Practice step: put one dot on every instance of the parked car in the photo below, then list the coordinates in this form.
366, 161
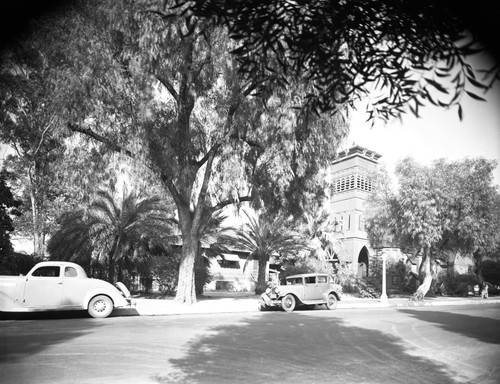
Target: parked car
305, 290
61, 285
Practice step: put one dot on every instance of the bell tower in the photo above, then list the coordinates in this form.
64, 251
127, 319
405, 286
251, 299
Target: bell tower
351, 185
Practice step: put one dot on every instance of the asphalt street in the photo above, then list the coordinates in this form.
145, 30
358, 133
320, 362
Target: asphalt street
447, 344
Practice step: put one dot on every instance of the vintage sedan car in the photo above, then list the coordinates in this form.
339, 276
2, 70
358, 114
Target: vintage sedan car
61, 285
305, 290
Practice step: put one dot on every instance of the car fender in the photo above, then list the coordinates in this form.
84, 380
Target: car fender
123, 289
112, 293
296, 291
325, 295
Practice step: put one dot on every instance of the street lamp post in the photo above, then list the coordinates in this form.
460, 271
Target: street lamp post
383, 296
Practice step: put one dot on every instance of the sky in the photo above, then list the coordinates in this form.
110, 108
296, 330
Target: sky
438, 133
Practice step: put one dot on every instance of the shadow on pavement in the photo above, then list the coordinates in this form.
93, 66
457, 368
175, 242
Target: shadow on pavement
46, 315
51, 315
16, 345
485, 329
295, 348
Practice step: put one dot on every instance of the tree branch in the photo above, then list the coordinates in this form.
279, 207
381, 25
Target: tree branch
200, 206
119, 149
227, 202
110, 144
167, 84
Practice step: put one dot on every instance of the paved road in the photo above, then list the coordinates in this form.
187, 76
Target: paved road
382, 345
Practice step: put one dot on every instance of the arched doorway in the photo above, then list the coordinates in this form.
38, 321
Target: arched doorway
363, 263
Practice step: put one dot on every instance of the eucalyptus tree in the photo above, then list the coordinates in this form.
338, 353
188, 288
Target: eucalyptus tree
398, 55
445, 206
112, 230
30, 105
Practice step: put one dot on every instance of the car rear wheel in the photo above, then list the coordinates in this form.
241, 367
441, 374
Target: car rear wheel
332, 301
288, 303
100, 306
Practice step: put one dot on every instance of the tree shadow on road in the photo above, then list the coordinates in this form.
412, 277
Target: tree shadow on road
484, 329
16, 344
296, 348
74, 314
45, 315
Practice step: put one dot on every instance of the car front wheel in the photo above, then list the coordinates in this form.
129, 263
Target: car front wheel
332, 301
100, 307
288, 303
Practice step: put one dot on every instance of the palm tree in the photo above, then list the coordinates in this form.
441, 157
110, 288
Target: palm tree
111, 229
324, 238
263, 238
315, 224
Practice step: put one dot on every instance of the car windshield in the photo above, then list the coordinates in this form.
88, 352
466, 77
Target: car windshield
322, 279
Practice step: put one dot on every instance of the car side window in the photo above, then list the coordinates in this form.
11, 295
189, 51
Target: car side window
47, 271
311, 280
70, 272
322, 279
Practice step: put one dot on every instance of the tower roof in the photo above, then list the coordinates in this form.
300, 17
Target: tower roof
357, 150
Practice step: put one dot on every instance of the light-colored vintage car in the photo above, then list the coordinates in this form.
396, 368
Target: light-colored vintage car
305, 290
60, 285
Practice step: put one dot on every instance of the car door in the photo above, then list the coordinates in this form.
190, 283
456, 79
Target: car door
74, 288
43, 289
312, 291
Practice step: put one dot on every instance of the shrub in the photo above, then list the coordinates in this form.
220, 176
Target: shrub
202, 275
306, 265
346, 278
491, 271
164, 270
459, 285
394, 267
16, 263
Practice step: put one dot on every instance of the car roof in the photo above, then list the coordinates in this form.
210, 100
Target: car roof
58, 262
62, 264
307, 275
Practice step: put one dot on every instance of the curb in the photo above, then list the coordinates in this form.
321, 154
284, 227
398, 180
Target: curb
149, 307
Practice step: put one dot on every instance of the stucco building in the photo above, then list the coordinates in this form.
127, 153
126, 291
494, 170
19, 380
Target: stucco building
351, 184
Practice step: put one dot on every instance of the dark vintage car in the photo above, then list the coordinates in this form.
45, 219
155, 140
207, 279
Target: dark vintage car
305, 290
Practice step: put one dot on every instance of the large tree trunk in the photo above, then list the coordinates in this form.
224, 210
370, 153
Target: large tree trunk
261, 285
186, 292
425, 276
478, 268
111, 269
35, 221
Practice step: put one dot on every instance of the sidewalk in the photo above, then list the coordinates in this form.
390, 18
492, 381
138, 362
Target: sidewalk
227, 302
